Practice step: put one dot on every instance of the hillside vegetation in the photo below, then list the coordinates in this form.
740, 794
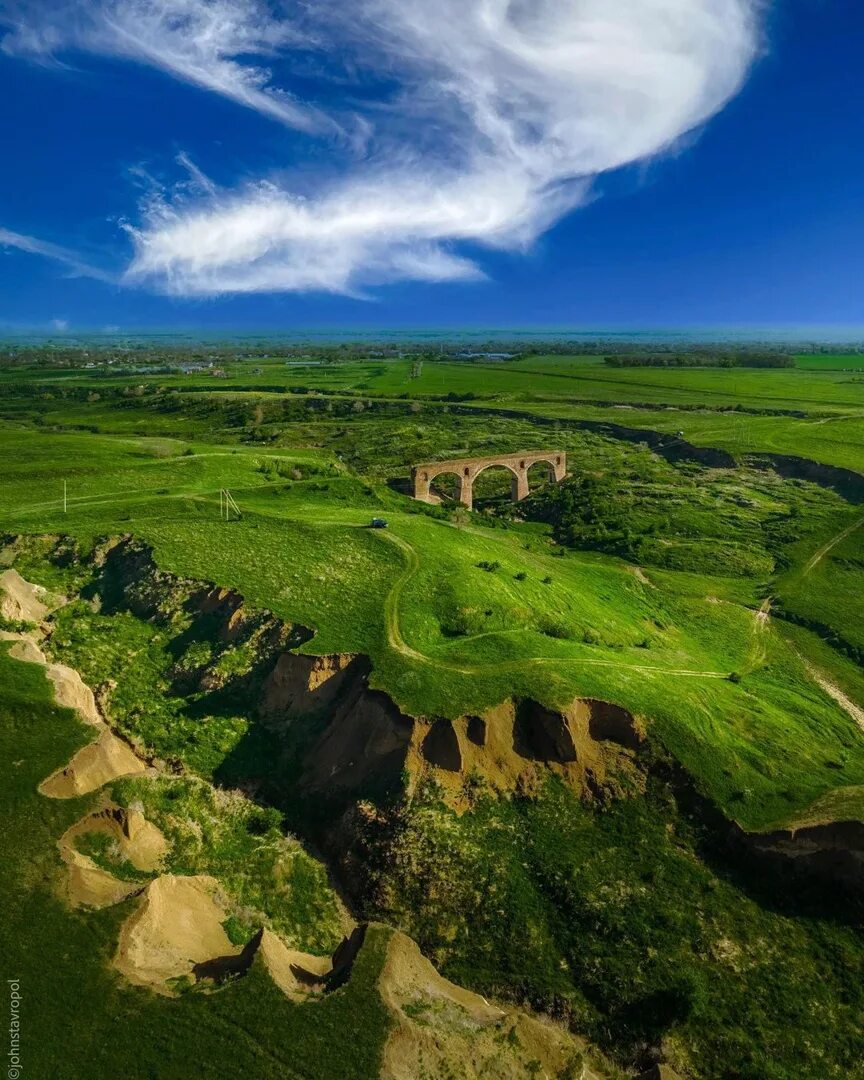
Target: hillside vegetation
389, 719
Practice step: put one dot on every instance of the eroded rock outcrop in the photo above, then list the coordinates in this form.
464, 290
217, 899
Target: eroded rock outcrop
21, 601
301, 685
102, 760
135, 840
98, 763
297, 974
177, 925
367, 739
508, 747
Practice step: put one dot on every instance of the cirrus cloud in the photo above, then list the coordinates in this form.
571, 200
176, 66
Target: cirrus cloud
504, 114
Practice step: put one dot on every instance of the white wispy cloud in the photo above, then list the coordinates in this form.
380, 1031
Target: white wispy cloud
198, 41
505, 114
70, 259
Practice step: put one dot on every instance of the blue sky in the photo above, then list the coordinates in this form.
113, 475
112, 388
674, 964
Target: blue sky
225, 163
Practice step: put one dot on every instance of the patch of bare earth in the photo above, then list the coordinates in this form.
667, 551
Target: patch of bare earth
21, 601
106, 759
133, 839
440, 1029
98, 763
297, 974
641, 576
177, 925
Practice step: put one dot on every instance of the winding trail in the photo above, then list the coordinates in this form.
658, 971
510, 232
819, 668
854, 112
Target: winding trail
758, 653
831, 544
397, 642
833, 691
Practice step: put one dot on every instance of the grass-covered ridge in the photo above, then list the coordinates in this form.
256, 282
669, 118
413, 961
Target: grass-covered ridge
445, 634
632, 921
710, 594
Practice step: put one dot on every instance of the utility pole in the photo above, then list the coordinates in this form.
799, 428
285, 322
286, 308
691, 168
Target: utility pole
227, 505
64, 496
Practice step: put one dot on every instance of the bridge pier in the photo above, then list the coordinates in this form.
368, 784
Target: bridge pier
519, 489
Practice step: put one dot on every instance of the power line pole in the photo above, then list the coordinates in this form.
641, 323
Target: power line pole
64, 496
227, 505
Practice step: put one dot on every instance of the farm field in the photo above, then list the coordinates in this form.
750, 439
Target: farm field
687, 582
816, 385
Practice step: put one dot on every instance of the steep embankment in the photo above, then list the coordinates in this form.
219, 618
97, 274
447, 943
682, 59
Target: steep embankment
102, 760
360, 742
598, 748
176, 934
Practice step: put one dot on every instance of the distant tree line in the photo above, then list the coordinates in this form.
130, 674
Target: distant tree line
702, 360
126, 354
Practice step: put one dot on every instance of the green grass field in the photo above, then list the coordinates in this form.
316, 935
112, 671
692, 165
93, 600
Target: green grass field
546, 625
719, 602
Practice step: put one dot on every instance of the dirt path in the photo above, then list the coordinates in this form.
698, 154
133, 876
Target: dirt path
832, 543
758, 651
397, 642
834, 691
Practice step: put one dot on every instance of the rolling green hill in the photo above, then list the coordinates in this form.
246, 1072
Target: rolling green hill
699, 572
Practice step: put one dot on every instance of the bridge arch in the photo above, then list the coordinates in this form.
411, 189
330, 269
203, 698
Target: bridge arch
431, 475
545, 465
518, 477
468, 469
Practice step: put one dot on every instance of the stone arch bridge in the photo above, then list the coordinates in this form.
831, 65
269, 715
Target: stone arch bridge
467, 470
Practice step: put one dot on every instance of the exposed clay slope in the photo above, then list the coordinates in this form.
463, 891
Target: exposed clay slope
20, 601
137, 841
177, 925
833, 851
70, 690
301, 685
106, 759
368, 739
440, 1029
297, 974
88, 885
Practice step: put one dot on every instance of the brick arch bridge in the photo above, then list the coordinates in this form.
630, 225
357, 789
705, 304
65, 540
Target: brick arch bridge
468, 469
